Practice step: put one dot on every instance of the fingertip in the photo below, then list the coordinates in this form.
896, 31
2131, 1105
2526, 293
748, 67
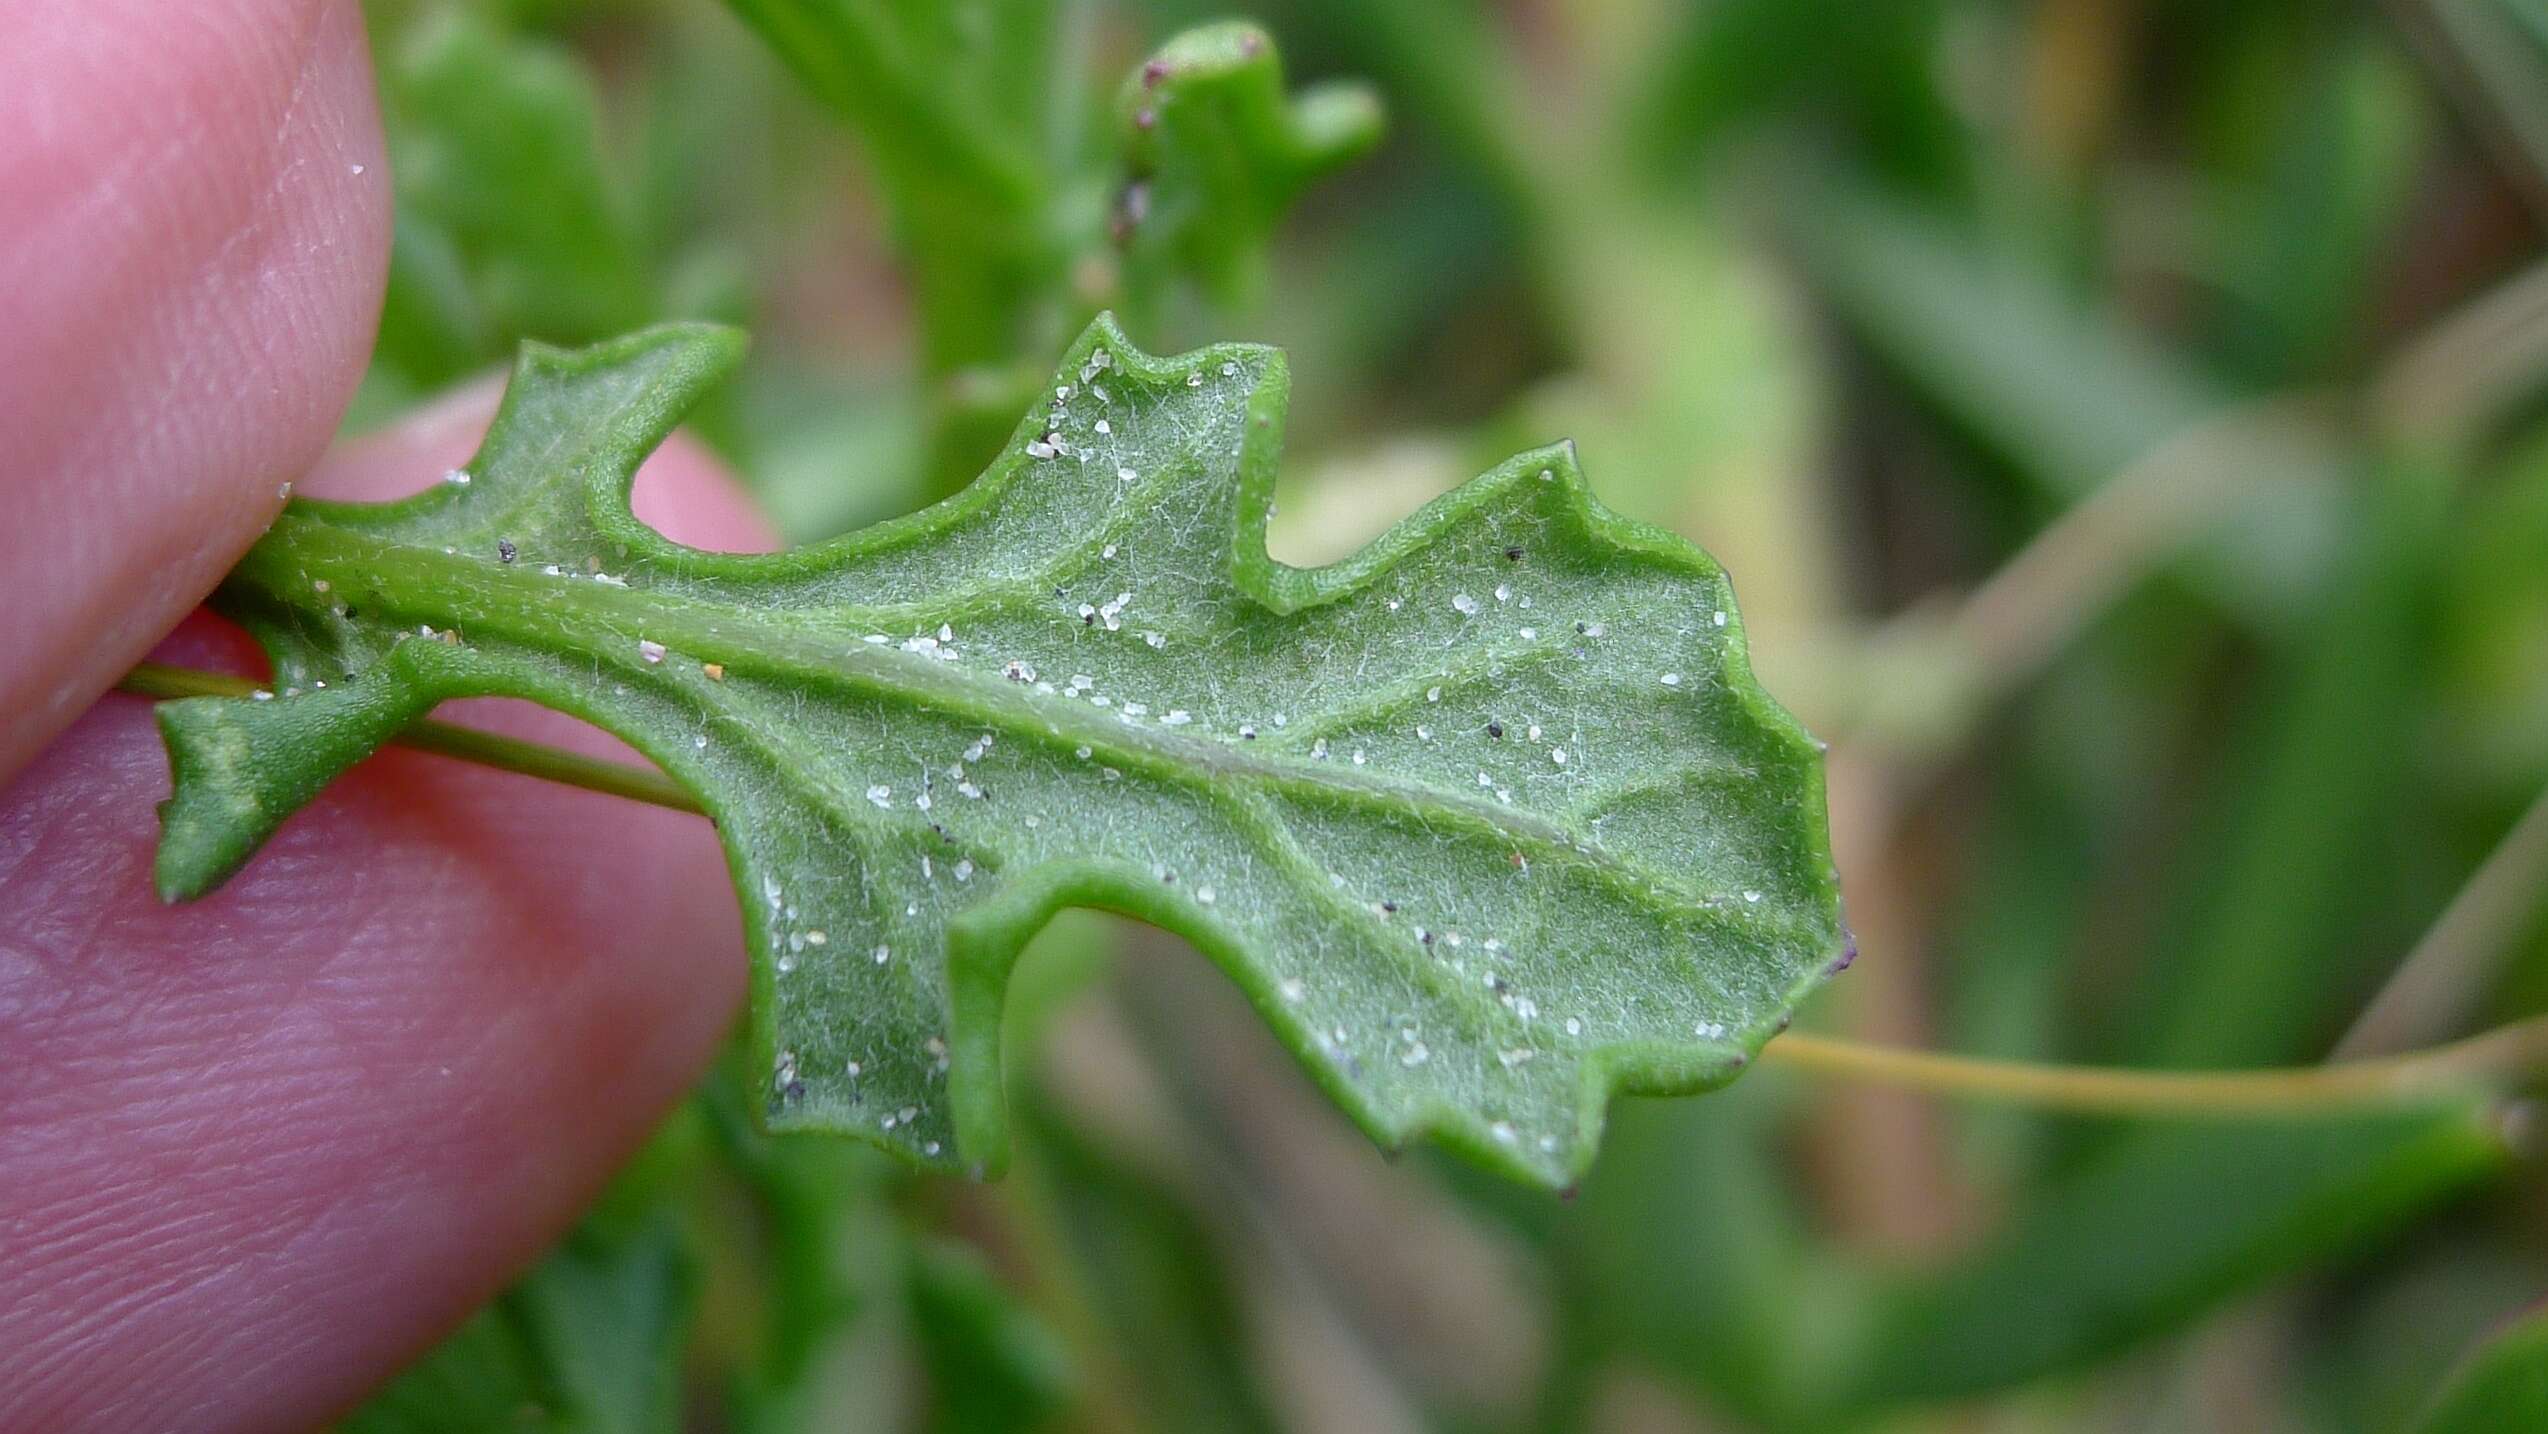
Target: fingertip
194, 234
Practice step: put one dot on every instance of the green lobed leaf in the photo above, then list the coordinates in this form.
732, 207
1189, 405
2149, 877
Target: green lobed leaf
1490, 822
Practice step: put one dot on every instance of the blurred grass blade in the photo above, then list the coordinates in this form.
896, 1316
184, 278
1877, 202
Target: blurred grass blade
2268, 948
808, 1255
2349, 129
2502, 1388
992, 1364
2498, 51
432, 329
2064, 395
1693, 1256
938, 114
1158, 1280
999, 205
2154, 1232
1744, 63
949, 101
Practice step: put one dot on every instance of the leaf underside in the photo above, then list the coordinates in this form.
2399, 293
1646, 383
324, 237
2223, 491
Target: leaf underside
1490, 822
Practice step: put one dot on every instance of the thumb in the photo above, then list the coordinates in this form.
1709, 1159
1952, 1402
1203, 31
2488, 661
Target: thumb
262, 1148
193, 238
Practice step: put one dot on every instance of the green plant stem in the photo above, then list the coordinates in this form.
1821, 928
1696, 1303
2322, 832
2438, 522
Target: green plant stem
2478, 1066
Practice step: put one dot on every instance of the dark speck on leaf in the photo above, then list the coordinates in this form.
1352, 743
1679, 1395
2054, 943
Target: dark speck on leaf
504, 550
1512, 555
1153, 72
1495, 730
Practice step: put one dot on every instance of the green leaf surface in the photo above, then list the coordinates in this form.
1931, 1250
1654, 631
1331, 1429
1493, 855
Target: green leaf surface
2502, 1387
1490, 821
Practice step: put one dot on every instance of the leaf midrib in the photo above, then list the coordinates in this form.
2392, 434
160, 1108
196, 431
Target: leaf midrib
524, 606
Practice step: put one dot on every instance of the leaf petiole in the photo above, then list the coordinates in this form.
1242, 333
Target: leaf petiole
2476, 1067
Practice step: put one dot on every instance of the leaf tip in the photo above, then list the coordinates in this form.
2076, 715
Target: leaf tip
211, 819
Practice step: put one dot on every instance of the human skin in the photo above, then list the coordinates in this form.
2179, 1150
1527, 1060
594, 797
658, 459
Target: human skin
259, 1150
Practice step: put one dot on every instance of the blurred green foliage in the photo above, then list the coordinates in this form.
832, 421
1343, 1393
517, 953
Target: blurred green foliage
2504, 1385
2235, 311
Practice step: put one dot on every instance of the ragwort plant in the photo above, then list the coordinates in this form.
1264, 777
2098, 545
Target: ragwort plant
1489, 821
